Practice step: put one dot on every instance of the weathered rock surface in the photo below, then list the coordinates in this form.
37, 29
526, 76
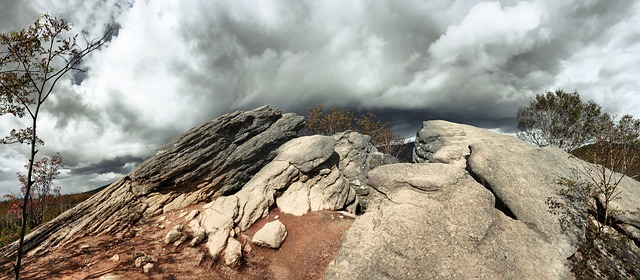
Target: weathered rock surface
215, 159
173, 235
474, 207
628, 208
323, 188
271, 235
521, 176
440, 228
358, 156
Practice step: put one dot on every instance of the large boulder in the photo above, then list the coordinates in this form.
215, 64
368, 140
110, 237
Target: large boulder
472, 207
438, 222
215, 159
522, 177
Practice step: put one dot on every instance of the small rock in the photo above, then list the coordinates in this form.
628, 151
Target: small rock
361, 190
115, 258
247, 248
147, 267
347, 214
199, 233
85, 248
141, 258
109, 277
173, 235
162, 218
198, 237
233, 252
182, 239
271, 235
276, 217
304, 178
192, 215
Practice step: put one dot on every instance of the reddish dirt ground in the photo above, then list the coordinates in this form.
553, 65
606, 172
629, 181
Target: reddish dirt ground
312, 242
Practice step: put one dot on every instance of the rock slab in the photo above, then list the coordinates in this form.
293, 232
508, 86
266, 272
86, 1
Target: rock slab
214, 159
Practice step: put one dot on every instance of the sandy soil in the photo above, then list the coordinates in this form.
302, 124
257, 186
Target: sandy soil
312, 242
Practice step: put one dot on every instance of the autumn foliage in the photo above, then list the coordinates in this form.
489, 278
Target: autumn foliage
338, 120
44, 193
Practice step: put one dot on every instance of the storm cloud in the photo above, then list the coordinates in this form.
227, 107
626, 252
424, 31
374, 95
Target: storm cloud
176, 64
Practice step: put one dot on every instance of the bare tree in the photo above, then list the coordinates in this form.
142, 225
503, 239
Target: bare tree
32, 62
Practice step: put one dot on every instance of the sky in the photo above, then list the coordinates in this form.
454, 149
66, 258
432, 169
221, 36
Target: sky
173, 65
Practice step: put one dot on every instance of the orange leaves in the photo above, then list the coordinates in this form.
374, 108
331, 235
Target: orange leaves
338, 120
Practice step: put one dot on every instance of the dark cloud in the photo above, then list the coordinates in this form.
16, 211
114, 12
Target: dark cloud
119, 165
14, 14
175, 65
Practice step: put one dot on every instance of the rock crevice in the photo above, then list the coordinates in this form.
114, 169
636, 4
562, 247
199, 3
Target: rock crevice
499, 204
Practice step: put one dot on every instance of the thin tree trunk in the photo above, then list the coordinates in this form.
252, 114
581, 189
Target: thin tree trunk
23, 224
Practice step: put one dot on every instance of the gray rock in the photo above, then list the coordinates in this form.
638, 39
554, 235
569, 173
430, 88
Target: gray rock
259, 193
449, 223
627, 204
306, 153
199, 233
192, 214
474, 207
271, 235
206, 162
521, 176
378, 159
173, 235
354, 150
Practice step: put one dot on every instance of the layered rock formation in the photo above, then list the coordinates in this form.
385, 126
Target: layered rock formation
243, 164
204, 163
474, 205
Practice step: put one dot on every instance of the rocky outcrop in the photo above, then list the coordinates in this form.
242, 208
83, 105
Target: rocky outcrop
358, 156
443, 227
473, 207
215, 159
304, 176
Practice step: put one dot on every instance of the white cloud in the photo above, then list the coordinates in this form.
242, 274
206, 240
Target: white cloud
106, 178
175, 64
